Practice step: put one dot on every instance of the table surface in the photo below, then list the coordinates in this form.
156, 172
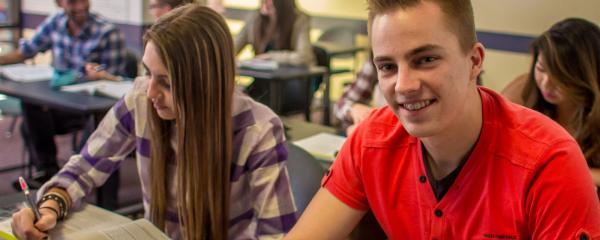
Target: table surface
300, 129
334, 49
40, 93
283, 72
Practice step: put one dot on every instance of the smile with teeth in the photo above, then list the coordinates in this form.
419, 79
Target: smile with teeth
417, 105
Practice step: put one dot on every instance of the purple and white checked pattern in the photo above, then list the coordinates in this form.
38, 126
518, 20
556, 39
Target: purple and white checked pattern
262, 206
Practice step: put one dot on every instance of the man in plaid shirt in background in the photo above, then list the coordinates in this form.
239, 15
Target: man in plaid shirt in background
75, 36
355, 103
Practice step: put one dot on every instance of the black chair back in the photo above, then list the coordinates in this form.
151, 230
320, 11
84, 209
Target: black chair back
305, 175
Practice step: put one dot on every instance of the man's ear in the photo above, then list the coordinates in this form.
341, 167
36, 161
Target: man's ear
58, 3
477, 55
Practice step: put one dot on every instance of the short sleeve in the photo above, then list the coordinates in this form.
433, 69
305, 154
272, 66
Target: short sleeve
562, 203
344, 179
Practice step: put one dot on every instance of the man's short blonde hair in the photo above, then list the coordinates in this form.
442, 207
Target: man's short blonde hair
459, 16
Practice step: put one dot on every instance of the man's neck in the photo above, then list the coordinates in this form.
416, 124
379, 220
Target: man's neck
74, 27
447, 150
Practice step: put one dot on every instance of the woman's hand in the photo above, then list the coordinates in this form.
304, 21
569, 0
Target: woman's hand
23, 225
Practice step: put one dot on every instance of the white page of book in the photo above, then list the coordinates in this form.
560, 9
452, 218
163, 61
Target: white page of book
102, 87
140, 229
323, 145
27, 73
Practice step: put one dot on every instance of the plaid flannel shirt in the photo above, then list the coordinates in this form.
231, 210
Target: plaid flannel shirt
98, 41
262, 206
360, 91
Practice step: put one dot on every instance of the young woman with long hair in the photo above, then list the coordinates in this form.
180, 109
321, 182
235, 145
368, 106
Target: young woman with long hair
564, 83
278, 31
211, 160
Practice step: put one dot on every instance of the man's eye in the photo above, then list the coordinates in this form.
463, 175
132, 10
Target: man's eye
386, 67
426, 60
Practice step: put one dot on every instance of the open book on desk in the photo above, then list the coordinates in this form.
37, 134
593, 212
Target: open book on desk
27, 73
259, 64
323, 146
92, 222
105, 88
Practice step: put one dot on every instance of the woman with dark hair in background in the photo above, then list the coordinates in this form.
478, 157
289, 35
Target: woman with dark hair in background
280, 32
564, 83
212, 162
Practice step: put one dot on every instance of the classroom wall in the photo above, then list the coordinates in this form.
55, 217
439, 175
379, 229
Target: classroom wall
495, 20
119, 11
507, 19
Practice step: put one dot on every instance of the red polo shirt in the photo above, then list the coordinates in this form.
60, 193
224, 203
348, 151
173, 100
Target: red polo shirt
525, 179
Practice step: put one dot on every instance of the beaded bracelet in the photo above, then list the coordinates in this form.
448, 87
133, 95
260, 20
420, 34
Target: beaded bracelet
62, 205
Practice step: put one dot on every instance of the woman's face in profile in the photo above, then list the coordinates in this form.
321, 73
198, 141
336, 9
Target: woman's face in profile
159, 85
546, 84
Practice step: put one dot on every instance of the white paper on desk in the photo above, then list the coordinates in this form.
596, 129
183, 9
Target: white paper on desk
140, 229
106, 88
5, 226
92, 222
259, 64
27, 73
323, 145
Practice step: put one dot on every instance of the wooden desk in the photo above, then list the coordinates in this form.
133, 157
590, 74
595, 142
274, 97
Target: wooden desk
334, 49
297, 129
283, 73
40, 93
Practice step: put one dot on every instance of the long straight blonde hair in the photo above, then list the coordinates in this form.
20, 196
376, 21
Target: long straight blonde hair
196, 47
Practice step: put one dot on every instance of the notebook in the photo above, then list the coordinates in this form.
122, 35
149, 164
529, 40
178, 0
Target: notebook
92, 222
324, 146
259, 64
105, 88
27, 73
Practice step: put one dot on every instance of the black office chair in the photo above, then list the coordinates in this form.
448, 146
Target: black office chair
305, 174
131, 64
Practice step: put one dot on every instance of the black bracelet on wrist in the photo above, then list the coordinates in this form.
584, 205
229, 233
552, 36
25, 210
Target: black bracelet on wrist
51, 209
62, 205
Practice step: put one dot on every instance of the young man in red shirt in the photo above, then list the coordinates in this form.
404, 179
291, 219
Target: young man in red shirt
447, 159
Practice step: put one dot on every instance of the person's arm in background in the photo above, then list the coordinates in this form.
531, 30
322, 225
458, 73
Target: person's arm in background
93, 72
354, 105
242, 38
595, 176
112, 58
302, 54
40, 42
12, 58
514, 90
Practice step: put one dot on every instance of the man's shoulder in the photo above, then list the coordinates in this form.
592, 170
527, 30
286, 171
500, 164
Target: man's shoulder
524, 135
102, 24
383, 129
